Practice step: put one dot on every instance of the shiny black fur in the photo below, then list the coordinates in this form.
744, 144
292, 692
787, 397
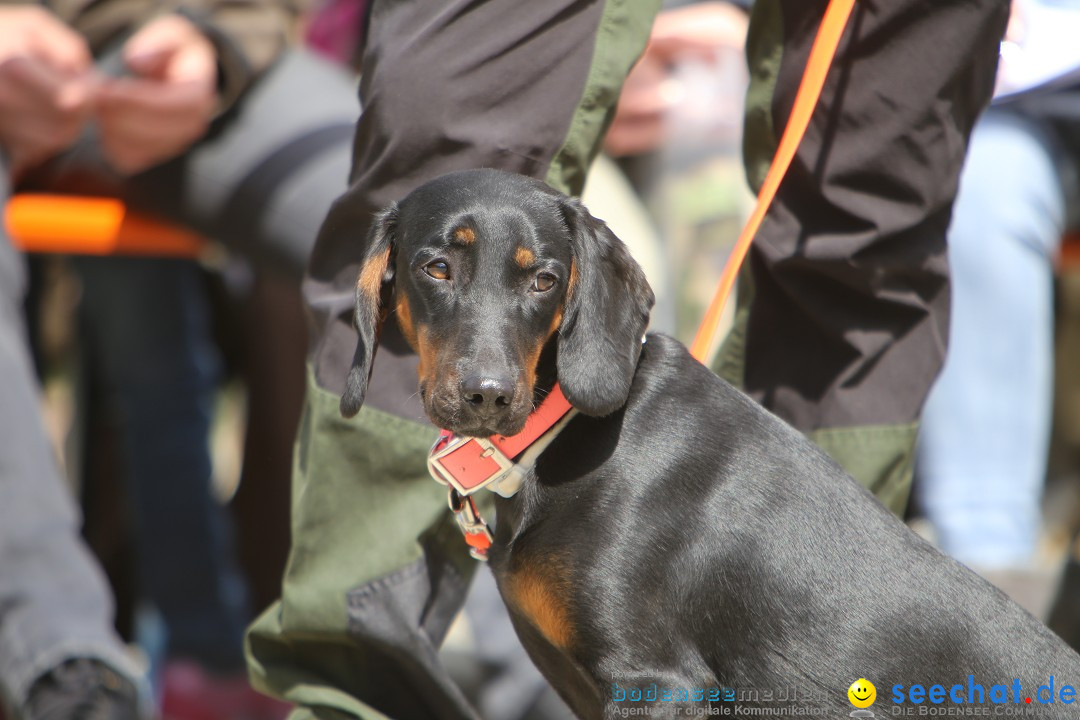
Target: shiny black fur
690, 540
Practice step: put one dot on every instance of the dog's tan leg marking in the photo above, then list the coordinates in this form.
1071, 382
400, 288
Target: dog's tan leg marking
540, 594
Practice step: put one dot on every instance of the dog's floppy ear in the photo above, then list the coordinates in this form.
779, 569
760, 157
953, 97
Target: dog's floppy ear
607, 309
372, 286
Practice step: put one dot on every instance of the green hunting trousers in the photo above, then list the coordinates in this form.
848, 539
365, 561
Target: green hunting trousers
378, 568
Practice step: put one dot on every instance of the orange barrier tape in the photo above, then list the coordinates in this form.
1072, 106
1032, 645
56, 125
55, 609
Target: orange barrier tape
817, 67
92, 226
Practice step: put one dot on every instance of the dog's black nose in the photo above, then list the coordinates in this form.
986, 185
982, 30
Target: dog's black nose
487, 394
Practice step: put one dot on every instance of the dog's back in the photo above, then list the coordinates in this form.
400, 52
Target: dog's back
693, 541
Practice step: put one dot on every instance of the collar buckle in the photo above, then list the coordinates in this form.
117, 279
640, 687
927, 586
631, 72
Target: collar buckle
467, 464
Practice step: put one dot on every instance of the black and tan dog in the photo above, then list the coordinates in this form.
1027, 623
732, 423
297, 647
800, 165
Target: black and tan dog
676, 546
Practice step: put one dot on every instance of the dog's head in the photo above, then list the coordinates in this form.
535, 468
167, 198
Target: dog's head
486, 270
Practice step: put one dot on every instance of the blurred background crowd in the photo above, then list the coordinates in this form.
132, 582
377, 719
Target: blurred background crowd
173, 387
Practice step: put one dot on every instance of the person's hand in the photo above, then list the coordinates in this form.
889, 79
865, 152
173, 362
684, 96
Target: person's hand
168, 104
703, 30
33, 32
46, 85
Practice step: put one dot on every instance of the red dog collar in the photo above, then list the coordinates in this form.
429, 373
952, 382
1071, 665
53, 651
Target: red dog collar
499, 463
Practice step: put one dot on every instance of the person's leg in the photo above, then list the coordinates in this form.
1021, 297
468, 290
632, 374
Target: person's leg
147, 325
844, 305
378, 567
261, 182
986, 426
54, 604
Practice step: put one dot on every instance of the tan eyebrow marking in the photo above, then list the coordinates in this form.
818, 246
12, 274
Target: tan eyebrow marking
524, 257
464, 236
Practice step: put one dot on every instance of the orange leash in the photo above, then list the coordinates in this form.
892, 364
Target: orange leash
817, 67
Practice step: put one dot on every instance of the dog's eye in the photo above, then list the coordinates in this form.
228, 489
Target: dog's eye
543, 282
438, 270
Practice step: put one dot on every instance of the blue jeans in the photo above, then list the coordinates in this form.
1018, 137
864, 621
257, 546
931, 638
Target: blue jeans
54, 604
146, 326
986, 425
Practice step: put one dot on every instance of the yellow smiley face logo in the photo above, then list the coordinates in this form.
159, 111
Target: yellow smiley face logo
862, 693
